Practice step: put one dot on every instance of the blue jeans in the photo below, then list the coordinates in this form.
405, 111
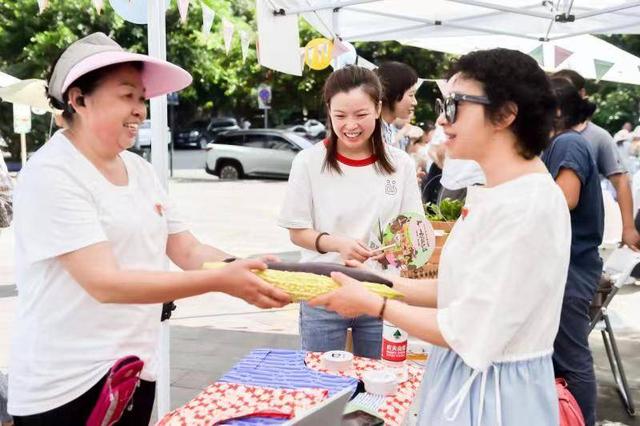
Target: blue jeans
321, 331
572, 358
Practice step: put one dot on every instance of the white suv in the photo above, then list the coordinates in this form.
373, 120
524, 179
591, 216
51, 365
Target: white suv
260, 152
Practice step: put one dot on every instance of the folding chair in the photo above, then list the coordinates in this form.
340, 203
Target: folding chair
619, 267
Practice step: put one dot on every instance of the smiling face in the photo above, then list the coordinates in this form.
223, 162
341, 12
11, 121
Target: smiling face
406, 106
470, 135
114, 110
353, 119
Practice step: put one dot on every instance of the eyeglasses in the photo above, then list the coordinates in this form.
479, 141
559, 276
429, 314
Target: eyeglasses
449, 106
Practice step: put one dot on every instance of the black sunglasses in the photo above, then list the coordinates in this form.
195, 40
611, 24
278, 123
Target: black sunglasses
449, 106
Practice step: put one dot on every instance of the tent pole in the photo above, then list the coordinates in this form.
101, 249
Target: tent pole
321, 6
336, 22
23, 148
518, 11
156, 34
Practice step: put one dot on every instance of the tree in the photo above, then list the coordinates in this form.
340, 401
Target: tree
222, 84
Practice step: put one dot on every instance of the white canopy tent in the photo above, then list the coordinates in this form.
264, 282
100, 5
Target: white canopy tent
6, 79
379, 20
459, 26
592, 57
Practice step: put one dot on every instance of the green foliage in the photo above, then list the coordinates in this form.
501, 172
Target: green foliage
447, 211
222, 84
428, 64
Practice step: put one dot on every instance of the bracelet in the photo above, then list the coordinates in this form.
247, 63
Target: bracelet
318, 240
230, 259
384, 306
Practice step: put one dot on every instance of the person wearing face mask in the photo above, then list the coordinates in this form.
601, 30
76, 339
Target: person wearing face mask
493, 312
340, 193
94, 229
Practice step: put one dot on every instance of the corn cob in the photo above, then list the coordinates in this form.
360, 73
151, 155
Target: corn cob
302, 286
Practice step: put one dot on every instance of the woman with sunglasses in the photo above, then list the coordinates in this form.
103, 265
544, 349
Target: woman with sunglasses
571, 164
492, 314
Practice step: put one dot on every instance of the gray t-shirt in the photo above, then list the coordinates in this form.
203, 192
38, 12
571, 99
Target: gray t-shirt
603, 150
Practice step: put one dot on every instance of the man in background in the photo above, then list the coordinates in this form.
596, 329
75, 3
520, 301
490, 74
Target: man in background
609, 163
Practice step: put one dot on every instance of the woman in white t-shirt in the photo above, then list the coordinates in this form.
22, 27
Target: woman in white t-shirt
341, 193
94, 230
493, 313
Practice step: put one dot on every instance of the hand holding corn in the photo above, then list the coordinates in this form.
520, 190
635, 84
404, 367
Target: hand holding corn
241, 281
303, 286
350, 300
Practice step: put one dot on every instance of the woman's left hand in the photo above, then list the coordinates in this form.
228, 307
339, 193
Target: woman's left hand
352, 299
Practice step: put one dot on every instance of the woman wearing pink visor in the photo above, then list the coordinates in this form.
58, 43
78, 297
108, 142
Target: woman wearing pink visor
93, 229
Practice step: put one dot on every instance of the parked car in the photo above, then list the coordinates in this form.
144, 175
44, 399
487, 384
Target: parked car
297, 129
143, 138
201, 132
315, 129
258, 152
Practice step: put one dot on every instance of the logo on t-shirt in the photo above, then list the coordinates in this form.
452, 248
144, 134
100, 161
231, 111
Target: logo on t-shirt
390, 188
159, 209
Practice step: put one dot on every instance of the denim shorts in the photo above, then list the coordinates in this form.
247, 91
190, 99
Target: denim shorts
321, 331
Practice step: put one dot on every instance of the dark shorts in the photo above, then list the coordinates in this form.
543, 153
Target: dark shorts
77, 411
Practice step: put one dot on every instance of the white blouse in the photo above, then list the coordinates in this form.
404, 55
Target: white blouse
503, 270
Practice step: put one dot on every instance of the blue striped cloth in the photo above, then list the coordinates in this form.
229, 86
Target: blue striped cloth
279, 368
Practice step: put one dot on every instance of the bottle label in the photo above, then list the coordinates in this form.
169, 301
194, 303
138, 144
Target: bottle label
394, 343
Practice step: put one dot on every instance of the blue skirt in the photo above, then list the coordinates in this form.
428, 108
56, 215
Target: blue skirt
518, 393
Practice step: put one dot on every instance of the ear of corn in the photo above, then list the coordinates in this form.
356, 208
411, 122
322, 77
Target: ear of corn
302, 286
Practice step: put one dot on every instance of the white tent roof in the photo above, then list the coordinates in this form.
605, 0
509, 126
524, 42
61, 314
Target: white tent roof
592, 57
6, 79
460, 26
379, 20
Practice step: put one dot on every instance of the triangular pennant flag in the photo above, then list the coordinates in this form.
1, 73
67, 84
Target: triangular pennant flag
99, 5
42, 5
244, 44
183, 8
207, 19
561, 55
339, 47
227, 34
538, 55
602, 67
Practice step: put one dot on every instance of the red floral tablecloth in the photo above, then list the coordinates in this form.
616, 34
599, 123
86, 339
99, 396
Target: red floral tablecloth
393, 409
226, 401
222, 401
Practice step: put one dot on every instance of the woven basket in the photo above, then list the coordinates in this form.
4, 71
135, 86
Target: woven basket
430, 269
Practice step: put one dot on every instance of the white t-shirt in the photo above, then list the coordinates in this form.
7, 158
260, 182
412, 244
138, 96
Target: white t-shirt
503, 271
354, 204
459, 174
64, 340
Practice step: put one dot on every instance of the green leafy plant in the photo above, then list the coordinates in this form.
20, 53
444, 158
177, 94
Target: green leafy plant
447, 211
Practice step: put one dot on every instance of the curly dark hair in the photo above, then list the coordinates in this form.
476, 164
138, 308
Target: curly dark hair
509, 76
